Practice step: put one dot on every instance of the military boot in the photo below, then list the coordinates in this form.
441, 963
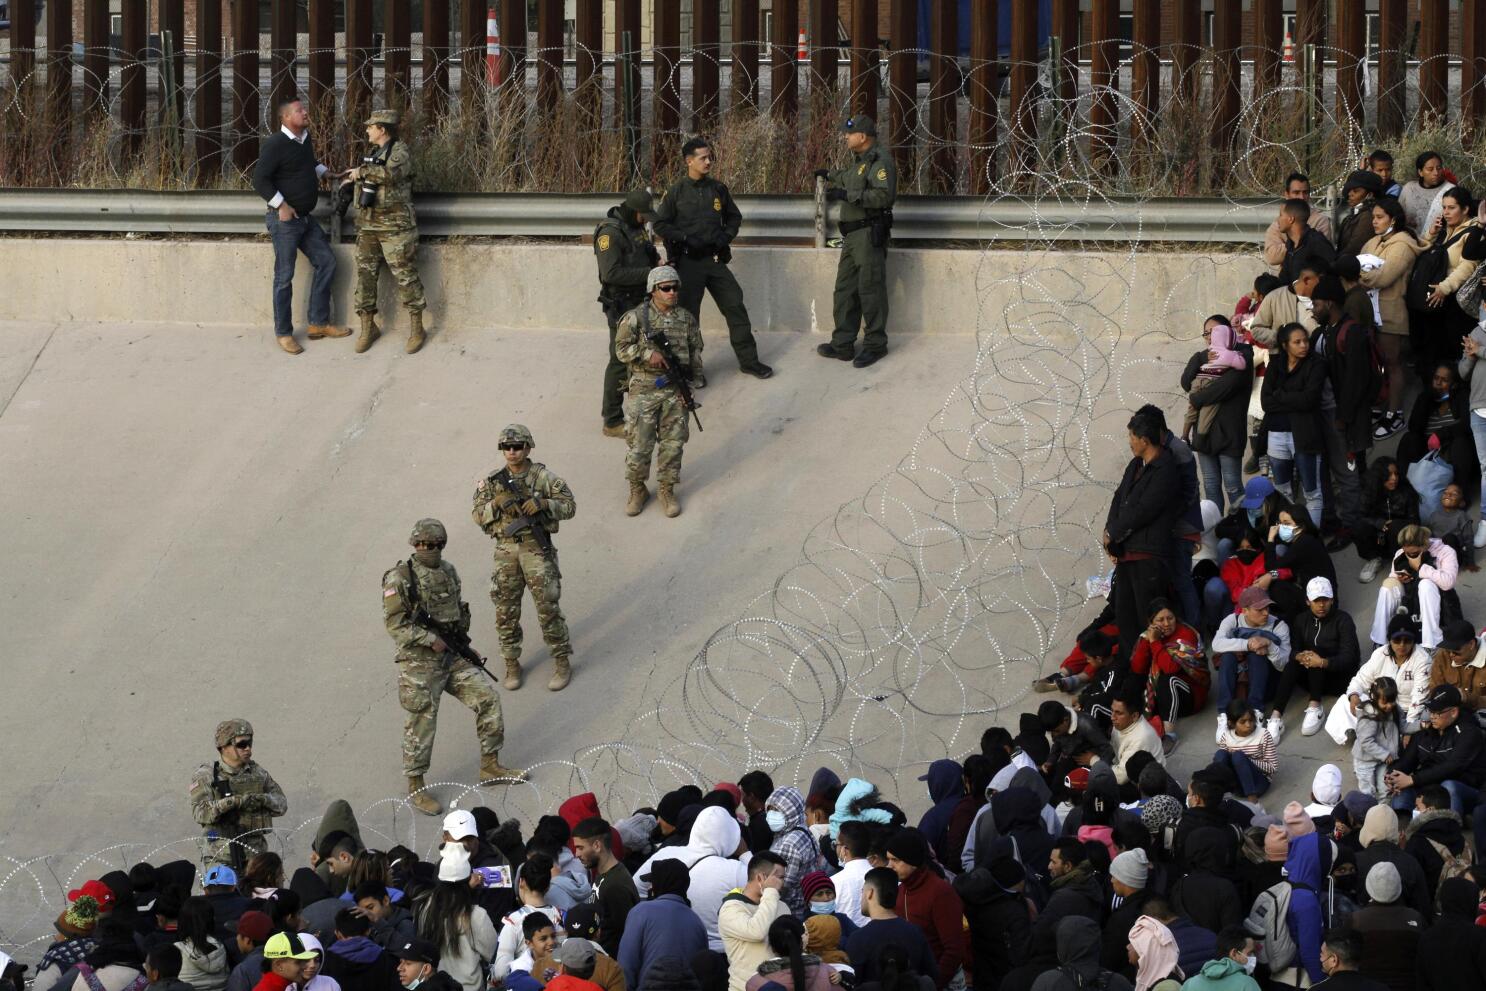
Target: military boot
493, 772
369, 332
668, 503
319, 330
562, 675
416, 337
513, 675
420, 799
638, 496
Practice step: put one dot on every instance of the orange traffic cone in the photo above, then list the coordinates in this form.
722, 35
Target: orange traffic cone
1289, 49
802, 52
492, 49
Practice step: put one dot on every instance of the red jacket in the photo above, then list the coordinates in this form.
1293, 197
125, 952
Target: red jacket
1163, 654
1077, 662
586, 806
1239, 576
272, 982
929, 902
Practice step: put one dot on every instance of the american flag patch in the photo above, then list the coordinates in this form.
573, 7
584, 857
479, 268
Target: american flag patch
388, 593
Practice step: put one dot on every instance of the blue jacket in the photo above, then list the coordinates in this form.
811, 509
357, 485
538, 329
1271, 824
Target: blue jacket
946, 788
1307, 868
661, 927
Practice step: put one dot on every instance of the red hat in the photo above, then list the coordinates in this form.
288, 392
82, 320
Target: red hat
255, 925
1077, 779
98, 891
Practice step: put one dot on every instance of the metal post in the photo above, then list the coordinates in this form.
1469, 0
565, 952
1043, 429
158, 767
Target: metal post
245, 84
864, 58
627, 71
208, 90
134, 18
435, 57
745, 50
784, 97
902, 84
706, 47
983, 86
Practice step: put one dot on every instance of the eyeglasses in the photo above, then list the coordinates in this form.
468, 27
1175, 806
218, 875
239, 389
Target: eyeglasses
668, 287
513, 447
243, 744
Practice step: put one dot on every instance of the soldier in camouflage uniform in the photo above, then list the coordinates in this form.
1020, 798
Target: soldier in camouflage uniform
388, 230
426, 668
625, 256
655, 415
866, 189
524, 557
235, 799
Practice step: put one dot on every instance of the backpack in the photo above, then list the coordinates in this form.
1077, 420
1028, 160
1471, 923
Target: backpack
1430, 269
1377, 369
1266, 923
1451, 865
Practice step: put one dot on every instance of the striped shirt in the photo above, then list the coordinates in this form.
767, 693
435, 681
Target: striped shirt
1258, 746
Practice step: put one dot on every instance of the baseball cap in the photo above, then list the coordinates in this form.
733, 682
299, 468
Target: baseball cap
582, 921
1077, 779
1256, 491
219, 874
418, 950
460, 824
1443, 697
1457, 634
253, 924
1319, 587
1253, 597
860, 124
96, 890
287, 946
574, 953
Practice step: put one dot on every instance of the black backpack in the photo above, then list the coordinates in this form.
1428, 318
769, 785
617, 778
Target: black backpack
1430, 269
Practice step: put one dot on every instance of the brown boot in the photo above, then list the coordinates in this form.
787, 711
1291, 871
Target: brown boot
638, 496
616, 430
319, 330
289, 344
420, 799
513, 675
562, 675
493, 772
369, 332
416, 337
667, 497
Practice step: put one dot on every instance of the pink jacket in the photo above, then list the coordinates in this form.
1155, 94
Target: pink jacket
1445, 568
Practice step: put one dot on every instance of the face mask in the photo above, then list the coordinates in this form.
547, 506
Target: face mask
1190, 803
414, 986
775, 819
820, 829
1250, 962
1247, 555
1287, 532
428, 556
1253, 515
822, 908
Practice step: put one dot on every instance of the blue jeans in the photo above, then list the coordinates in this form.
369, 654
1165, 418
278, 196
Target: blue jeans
1222, 478
1180, 563
1462, 798
1251, 780
1284, 461
1217, 603
289, 238
1260, 671
1478, 434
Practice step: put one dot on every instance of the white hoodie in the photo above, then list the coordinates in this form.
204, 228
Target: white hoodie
715, 836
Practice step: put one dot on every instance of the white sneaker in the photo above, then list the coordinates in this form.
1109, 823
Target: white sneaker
1314, 717
1222, 726
1480, 540
1370, 570
1276, 728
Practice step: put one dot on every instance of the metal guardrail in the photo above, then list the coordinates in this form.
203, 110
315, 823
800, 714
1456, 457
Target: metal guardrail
773, 218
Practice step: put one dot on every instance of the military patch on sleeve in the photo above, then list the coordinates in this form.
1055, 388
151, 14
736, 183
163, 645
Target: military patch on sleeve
717, 203
388, 593
603, 242
882, 175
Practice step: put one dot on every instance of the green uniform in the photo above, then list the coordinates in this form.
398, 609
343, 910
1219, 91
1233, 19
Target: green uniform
699, 220
871, 184
655, 416
423, 673
625, 257
237, 808
388, 231
519, 561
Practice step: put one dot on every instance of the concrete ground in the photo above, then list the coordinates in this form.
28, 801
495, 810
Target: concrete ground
871, 567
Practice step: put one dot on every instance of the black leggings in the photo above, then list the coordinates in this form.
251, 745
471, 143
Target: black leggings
1318, 682
1174, 699
1372, 544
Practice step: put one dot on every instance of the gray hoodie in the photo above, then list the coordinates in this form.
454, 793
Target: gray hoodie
1467, 366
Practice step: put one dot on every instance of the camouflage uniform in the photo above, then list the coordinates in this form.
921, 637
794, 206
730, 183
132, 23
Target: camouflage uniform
388, 231
655, 415
237, 806
519, 561
424, 674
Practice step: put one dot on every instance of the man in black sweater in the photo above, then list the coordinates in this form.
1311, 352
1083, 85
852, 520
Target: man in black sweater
288, 178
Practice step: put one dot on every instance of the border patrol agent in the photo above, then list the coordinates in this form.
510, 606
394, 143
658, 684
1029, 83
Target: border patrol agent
625, 257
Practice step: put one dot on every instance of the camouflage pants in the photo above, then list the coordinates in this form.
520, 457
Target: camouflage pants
218, 847
655, 418
399, 249
421, 684
519, 565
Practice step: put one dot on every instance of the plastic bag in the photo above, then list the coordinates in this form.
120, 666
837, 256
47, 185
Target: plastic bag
1429, 476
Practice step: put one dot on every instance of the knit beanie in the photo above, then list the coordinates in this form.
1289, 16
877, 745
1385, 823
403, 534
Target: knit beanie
910, 847
80, 918
1297, 821
1384, 886
1357, 805
1131, 868
813, 882
1276, 844
1380, 823
1007, 872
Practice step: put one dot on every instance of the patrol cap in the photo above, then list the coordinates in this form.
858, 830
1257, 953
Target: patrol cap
287, 946
659, 274
229, 729
418, 950
860, 124
574, 952
429, 529
220, 874
641, 202
387, 118
515, 433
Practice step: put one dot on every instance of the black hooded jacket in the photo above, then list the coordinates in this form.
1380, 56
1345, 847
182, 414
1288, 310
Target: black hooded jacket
1078, 961
1206, 894
1017, 813
1000, 927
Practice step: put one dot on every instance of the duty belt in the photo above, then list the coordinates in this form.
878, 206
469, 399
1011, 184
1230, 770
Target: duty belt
852, 226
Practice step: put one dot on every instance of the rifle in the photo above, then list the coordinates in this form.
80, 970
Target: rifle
222, 788
454, 638
679, 372
523, 522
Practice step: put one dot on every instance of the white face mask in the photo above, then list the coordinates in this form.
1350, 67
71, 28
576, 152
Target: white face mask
775, 819
820, 829
1250, 963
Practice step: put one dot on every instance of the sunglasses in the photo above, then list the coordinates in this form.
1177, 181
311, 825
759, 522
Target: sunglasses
513, 447
243, 744
436, 545
668, 287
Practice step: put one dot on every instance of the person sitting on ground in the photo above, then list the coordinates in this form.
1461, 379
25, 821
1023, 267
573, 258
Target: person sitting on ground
162, 966
791, 968
1428, 568
1132, 734
1379, 731
1076, 740
1441, 421
1296, 555
1095, 651
1246, 748
1254, 640
1169, 659
1436, 835
1460, 660
1323, 652
1446, 751
1389, 930
1401, 659
1452, 523
1389, 503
